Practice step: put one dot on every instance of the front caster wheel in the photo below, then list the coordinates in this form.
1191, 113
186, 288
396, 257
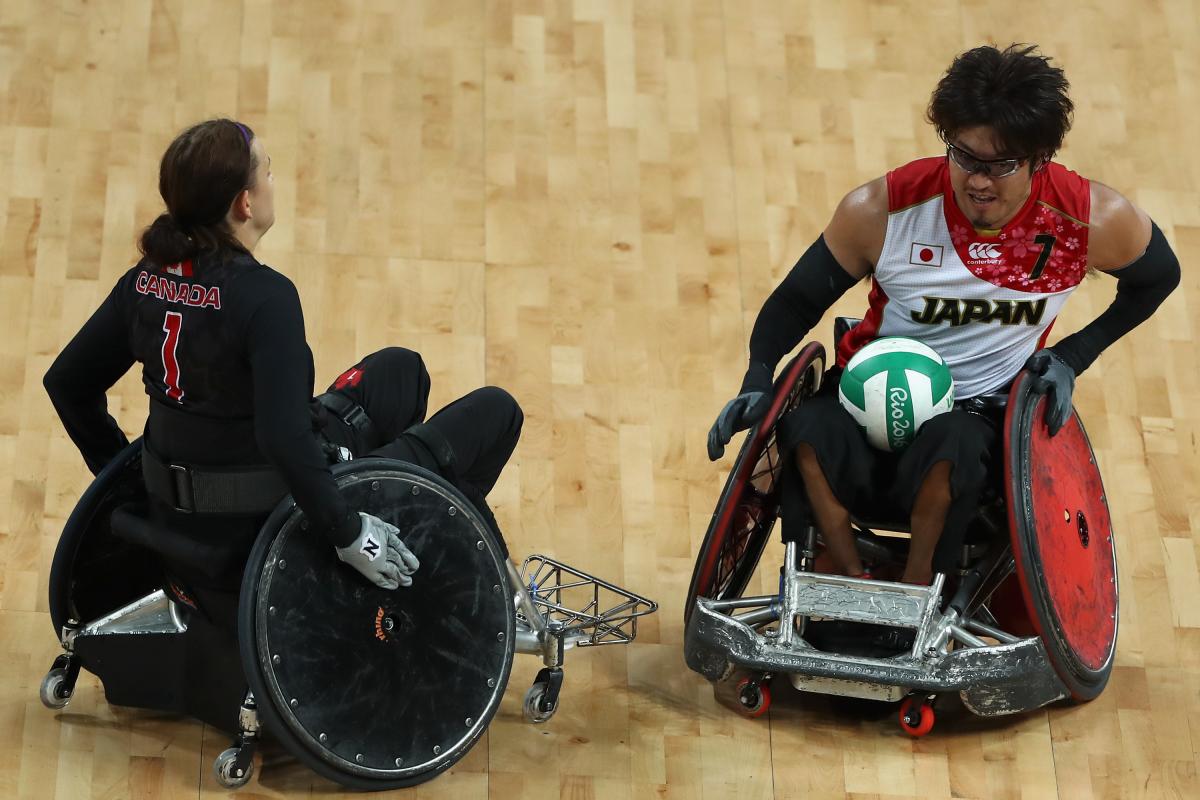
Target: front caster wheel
916, 716
535, 702
754, 698
55, 692
233, 768
541, 701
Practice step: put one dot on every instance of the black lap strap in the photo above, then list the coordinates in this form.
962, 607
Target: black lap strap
208, 490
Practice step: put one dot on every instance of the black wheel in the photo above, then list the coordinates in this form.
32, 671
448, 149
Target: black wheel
749, 504
93, 572
378, 689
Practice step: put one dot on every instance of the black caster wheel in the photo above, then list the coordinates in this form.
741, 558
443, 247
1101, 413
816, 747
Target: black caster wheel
59, 683
234, 767
534, 700
541, 701
55, 691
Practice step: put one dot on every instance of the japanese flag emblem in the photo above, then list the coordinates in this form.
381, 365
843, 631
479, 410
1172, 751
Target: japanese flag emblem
925, 255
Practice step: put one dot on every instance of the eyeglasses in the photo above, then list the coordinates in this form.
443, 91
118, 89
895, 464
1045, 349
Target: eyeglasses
995, 168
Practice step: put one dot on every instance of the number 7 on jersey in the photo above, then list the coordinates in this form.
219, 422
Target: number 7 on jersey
171, 326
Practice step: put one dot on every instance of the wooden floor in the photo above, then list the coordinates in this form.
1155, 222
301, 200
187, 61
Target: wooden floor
586, 202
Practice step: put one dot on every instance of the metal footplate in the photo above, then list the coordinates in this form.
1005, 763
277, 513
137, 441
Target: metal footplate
559, 608
1011, 676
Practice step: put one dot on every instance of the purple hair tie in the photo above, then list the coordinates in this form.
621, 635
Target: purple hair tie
245, 133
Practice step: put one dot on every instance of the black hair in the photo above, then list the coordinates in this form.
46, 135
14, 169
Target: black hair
1014, 91
202, 172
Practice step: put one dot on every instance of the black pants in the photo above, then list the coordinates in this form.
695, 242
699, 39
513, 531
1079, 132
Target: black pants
392, 386
480, 429
874, 484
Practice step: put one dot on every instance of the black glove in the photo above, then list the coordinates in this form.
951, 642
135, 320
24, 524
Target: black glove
743, 411
1053, 376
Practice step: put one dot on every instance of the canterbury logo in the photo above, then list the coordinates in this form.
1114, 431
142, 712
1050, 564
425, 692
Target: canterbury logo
370, 548
983, 250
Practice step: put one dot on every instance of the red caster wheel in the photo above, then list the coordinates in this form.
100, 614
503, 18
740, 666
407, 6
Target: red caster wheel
753, 698
916, 717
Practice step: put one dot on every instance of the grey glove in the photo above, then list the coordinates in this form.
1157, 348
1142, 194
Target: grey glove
1052, 376
379, 554
743, 411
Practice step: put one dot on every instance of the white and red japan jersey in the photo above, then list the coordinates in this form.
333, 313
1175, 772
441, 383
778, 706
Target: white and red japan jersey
984, 300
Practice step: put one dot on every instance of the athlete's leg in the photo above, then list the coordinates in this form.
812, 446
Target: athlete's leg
468, 442
482, 428
940, 478
928, 519
832, 518
828, 454
392, 386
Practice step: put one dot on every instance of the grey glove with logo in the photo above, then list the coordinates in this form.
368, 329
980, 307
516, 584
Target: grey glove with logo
379, 554
1054, 377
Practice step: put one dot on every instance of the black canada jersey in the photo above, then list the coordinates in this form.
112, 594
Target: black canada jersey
188, 325
227, 368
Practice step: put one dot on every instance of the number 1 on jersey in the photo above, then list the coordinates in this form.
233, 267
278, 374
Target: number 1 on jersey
172, 325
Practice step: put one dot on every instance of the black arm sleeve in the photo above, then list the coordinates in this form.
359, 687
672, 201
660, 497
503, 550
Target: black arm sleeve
1141, 288
809, 290
77, 381
279, 363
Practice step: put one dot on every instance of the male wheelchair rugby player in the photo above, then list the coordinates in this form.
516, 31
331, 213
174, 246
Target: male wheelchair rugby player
1028, 617
972, 254
371, 688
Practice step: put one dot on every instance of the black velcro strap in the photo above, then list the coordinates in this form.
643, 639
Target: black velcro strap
209, 490
350, 413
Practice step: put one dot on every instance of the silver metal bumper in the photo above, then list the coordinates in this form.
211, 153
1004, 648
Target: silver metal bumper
1012, 676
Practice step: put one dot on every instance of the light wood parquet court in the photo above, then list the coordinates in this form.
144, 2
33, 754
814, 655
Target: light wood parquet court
586, 202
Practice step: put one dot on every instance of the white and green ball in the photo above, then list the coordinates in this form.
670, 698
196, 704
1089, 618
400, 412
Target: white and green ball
893, 386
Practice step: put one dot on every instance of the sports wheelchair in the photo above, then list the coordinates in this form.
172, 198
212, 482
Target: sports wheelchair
316, 645
1030, 616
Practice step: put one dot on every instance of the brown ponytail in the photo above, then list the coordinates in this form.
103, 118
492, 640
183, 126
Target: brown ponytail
201, 174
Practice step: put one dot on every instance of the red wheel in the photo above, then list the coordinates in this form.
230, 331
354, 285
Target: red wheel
737, 533
1062, 541
916, 717
753, 698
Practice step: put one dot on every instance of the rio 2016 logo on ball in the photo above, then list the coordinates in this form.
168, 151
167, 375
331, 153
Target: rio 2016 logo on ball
894, 385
